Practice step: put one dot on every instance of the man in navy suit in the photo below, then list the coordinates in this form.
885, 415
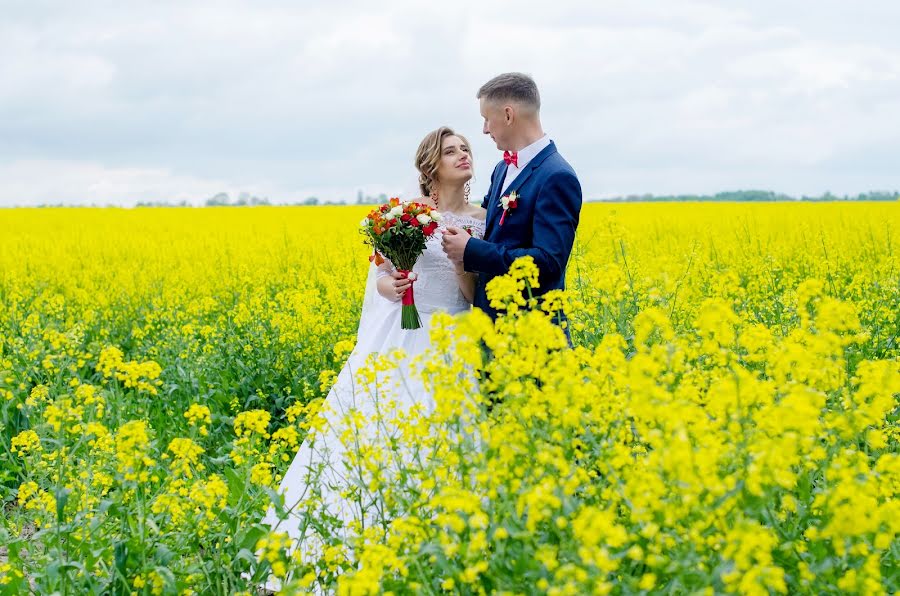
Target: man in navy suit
542, 219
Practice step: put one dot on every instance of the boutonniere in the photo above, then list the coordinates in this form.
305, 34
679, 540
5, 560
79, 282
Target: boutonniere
468, 229
509, 202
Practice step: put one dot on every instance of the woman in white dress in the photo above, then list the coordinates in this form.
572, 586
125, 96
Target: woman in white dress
325, 496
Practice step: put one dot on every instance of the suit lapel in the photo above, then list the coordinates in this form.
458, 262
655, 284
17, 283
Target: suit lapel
498, 183
494, 196
493, 188
497, 190
531, 167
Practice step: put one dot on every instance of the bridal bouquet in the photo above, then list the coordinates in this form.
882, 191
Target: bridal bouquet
398, 231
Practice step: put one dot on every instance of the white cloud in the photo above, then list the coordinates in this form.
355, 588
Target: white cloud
34, 182
127, 101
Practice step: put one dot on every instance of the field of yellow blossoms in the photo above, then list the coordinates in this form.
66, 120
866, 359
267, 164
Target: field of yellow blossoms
727, 421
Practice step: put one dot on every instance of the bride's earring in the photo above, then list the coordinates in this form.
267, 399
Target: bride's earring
468, 190
434, 197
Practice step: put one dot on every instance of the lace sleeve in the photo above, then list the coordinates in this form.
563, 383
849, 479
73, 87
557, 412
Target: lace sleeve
473, 225
477, 230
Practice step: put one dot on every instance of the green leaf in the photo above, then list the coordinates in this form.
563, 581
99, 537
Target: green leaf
62, 497
163, 554
167, 575
120, 556
245, 554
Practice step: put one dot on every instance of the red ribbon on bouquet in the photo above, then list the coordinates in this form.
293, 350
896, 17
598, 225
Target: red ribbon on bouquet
409, 316
408, 298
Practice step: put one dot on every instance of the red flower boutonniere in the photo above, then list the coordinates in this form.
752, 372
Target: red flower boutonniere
508, 203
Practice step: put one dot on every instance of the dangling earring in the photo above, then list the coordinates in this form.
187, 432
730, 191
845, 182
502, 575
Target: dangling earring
468, 190
434, 197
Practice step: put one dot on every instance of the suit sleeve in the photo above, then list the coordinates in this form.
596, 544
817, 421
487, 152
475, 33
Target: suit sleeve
556, 215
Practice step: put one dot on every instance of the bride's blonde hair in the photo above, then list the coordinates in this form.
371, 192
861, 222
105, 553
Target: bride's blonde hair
428, 156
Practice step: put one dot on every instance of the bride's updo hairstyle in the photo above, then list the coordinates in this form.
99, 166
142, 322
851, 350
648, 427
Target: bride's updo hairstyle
428, 156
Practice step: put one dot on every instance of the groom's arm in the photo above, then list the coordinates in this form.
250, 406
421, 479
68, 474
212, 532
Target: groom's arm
555, 220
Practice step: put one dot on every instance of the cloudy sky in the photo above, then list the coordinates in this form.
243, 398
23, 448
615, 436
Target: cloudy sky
119, 102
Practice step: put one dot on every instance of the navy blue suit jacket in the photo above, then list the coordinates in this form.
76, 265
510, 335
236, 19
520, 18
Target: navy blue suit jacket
542, 225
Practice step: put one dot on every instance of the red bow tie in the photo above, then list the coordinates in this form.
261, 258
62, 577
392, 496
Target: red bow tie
511, 158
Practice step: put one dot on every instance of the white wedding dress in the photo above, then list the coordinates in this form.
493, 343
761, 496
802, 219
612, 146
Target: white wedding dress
316, 483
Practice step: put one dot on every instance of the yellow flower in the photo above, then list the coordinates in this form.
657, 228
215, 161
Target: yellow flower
261, 474
199, 416
252, 422
273, 550
133, 451
26, 442
648, 581
143, 376
185, 457
39, 394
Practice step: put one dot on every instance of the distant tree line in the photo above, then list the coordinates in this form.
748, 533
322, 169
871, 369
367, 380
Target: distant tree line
223, 199
756, 196
742, 196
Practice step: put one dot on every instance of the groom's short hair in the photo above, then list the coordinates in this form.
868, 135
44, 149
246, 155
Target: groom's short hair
511, 86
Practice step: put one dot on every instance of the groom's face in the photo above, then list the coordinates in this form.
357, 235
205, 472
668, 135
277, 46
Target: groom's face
497, 121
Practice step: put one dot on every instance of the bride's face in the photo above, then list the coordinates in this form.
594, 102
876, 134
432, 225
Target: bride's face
456, 160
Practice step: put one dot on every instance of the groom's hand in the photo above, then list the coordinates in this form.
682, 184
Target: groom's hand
454, 243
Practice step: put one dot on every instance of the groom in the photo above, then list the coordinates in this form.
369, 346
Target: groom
542, 219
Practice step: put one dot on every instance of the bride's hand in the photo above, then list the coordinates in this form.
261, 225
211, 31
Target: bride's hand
400, 284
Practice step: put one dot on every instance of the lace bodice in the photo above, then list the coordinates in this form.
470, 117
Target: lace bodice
436, 287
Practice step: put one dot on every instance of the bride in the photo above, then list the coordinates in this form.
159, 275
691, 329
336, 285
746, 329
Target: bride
324, 502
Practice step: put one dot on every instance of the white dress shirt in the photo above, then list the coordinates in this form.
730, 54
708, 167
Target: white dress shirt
524, 156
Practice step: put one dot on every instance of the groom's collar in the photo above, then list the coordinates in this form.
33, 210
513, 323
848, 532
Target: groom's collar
525, 174
531, 151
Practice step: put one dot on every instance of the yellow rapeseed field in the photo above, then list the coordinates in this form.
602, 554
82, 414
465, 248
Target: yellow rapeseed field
727, 421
